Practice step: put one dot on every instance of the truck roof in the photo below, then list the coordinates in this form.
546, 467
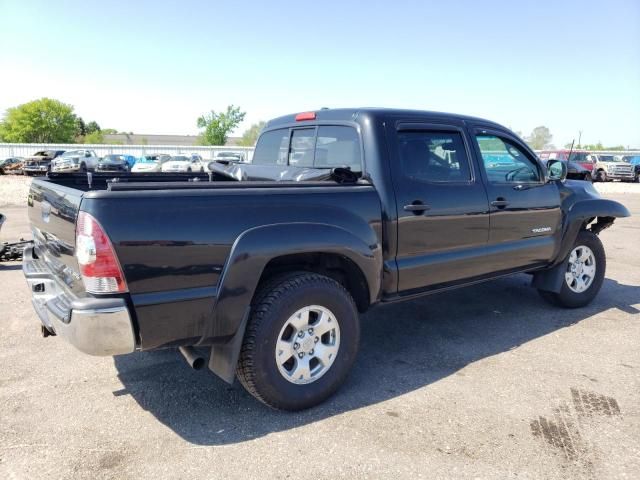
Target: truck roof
352, 114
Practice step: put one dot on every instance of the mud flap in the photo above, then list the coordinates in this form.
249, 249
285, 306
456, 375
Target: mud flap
224, 358
550, 280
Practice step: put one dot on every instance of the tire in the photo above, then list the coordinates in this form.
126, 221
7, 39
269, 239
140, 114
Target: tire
587, 177
189, 169
83, 168
601, 176
568, 297
277, 384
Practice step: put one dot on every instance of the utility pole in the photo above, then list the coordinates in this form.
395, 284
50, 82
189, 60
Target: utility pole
579, 138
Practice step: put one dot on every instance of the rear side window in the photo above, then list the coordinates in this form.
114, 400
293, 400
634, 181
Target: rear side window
272, 148
434, 156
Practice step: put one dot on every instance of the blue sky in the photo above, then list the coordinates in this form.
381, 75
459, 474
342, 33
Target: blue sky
155, 66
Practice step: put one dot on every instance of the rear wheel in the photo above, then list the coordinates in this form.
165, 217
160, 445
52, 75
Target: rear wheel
301, 341
601, 176
583, 278
587, 177
83, 168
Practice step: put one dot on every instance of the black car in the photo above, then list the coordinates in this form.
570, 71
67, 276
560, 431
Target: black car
259, 270
113, 163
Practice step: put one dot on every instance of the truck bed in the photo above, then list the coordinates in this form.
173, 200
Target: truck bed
173, 237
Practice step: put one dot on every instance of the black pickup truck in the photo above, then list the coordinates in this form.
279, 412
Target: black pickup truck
260, 269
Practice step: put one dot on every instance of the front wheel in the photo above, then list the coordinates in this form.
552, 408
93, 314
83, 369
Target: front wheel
583, 278
601, 176
301, 341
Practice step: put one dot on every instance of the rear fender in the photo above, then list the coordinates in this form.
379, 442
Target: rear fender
251, 252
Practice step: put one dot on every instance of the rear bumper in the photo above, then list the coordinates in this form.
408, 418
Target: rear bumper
96, 326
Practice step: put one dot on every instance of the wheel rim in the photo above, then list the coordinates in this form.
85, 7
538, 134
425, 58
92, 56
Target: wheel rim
581, 269
307, 345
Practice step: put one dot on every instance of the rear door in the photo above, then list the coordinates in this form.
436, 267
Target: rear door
442, 208
525, 209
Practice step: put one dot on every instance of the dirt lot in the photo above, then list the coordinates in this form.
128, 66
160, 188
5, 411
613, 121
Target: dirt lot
484, 382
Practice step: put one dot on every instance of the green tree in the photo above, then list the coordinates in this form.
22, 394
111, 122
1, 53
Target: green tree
250, 136
81, 127
92, 126
217, 126
109, 131
39, 121
540, 138
94, 137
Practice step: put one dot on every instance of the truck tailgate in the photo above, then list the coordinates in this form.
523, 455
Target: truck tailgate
53, 210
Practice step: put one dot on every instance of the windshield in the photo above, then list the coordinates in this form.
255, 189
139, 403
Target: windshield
180, 158
73, 153
114, 158
227, 154
579, 157
607, 158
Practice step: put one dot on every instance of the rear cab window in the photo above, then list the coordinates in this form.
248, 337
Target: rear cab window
323, 146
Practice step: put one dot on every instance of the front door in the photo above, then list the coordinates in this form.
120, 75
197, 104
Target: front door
442, 207
525, 218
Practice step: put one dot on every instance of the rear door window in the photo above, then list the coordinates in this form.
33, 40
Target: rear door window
434, 156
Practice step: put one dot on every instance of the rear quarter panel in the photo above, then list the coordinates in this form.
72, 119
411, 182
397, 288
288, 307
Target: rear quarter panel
173, 245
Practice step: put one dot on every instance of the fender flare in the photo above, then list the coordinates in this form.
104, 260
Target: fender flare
249, 256
581, 212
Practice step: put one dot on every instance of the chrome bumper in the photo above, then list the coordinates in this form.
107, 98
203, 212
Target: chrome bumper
97, 326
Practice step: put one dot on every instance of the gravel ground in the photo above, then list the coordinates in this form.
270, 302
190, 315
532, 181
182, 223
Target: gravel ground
484, 382
14, 189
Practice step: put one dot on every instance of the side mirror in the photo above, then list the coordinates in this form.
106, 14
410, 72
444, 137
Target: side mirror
556, 170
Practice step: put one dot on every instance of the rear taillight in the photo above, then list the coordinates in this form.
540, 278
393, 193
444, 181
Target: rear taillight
99, 266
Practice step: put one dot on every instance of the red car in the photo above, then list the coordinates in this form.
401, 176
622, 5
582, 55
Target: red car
581, 157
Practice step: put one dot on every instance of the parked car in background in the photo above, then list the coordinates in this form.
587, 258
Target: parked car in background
184, 163
633, 160
584, 158
116, 163
226, 158
75, 161
608, 167
575, 171
11, 165
40, 162
150, 163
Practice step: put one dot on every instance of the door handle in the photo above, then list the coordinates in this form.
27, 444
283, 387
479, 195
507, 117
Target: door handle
499, 202
416, 207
